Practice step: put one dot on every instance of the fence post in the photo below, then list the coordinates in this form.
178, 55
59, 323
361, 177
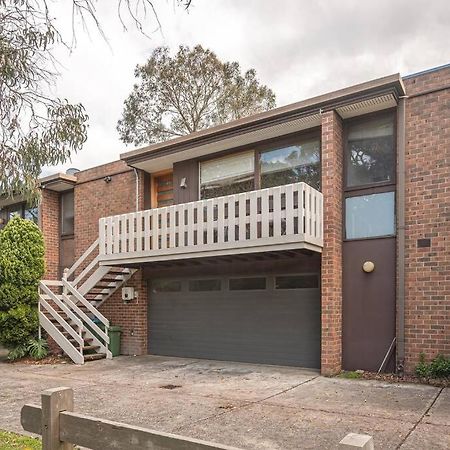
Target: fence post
353, 441
53, 402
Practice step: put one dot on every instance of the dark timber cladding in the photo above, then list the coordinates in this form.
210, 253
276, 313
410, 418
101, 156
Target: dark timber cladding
256, 311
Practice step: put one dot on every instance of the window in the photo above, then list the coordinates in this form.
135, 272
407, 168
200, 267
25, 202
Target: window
205, 285
67, 213
370, 215
227, 175
166, 286
286, 165
370, 154
247, 284
31, 214
15, 210
297, 282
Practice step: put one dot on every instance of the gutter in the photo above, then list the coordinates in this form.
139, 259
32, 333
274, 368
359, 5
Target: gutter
401, 142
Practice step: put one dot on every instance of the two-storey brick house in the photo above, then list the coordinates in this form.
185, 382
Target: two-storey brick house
313, 235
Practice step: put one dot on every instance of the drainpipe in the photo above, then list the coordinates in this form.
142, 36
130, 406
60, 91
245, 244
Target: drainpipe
401, 138
137, 188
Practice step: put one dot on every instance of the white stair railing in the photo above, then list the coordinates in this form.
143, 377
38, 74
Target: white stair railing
74, 328
90, 326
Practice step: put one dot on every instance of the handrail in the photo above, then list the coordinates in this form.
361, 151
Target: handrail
62, 322
85, 271
61, 304
90, 308
82, 258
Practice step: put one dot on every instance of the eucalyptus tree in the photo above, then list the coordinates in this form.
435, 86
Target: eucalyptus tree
192, 90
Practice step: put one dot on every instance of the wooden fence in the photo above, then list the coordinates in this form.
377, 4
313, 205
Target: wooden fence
61, 429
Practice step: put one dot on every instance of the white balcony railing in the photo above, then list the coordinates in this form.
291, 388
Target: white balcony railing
282, 217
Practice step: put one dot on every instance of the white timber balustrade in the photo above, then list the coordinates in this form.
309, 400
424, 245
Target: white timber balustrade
282, 217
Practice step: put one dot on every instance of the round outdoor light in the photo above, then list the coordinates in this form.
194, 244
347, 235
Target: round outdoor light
368, 266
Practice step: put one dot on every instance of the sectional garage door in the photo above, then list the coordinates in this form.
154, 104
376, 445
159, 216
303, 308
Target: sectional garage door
260, 319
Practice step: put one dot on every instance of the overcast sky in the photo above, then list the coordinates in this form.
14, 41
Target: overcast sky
299, 48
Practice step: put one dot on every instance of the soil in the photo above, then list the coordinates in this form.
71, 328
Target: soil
50, 359
394, 378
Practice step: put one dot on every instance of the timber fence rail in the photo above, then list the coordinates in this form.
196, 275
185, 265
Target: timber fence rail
61, 429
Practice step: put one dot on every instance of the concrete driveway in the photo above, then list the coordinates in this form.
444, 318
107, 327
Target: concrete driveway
244, 405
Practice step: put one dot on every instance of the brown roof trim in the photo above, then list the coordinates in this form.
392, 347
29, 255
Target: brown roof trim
391, 84
56, 178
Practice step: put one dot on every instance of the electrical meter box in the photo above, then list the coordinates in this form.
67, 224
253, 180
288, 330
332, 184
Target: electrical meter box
127, 294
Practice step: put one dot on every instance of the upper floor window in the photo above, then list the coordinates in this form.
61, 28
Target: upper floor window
227, 175
31, 214
371, 152
67, 213
292, 164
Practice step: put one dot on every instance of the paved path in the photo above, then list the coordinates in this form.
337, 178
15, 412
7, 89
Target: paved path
244, 405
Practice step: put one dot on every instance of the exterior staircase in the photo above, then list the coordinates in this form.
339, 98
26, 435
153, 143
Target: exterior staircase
68, 308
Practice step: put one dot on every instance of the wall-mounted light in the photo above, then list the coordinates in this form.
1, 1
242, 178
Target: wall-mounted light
368, 267
183, 184
107, 179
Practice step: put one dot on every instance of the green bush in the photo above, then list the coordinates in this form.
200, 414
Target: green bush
439, 367
21, 268
18, 325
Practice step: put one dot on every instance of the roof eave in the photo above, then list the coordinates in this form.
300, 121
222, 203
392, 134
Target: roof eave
390, 84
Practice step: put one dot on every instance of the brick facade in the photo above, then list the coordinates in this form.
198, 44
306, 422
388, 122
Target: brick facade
49, 221
332, 166
427, 215
96, 198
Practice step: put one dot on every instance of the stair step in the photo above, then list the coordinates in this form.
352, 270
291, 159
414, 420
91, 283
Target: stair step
86, 340
106, 284
94, 356
91, 347
113, 277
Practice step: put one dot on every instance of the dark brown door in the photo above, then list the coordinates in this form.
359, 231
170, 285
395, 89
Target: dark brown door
163, 190
369, 303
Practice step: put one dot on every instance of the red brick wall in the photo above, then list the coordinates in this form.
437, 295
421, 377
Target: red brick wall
332, 167
427, 270
95, 198
49, 223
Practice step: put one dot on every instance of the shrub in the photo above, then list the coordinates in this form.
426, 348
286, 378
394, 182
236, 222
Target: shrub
439, 367
21, 268
37, 348
18, 325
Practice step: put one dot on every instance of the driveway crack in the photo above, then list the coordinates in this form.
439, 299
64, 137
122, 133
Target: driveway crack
420, 419
245, 405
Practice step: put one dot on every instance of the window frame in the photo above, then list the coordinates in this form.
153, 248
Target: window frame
361, 119
369, 188
263, 146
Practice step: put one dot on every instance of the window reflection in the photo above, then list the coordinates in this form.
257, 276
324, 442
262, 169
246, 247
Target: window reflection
291, 164
370, 157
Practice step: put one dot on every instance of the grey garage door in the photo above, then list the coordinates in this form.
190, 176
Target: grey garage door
260, 319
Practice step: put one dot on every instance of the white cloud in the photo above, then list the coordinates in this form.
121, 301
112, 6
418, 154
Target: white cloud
298, 47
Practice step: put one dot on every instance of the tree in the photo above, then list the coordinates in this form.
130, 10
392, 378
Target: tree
21, 268
36, 129
187, 92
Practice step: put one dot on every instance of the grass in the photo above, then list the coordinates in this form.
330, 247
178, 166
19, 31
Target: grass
350, 375
13, 441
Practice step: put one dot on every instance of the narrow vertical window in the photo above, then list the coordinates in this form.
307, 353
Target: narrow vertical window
67, 213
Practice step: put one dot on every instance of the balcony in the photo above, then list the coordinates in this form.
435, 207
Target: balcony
279, 218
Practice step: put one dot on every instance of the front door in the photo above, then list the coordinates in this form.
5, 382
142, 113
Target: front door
162, 188
368, 304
